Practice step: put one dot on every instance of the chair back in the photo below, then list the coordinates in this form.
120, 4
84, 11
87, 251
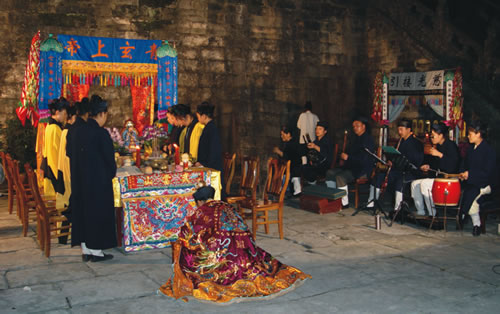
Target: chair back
4, 165
41, 211
278, 175
18, 182
228, 170
249, 176
335, 156
7, 167
33, 184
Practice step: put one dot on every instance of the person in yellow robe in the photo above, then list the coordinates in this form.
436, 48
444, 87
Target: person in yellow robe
190, 135
63, 187
51, 144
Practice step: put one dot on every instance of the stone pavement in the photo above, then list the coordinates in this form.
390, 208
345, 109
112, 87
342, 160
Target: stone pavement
354, 268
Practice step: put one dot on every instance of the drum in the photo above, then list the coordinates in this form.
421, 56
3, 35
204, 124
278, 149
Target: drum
446, 192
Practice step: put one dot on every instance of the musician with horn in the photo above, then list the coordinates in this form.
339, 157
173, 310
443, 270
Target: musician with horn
443, 158
411, 148
357, 162
478, 173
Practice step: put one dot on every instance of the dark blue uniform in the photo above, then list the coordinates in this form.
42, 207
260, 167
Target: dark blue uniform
413, 150
481, 164
360, 162
210, 148
93, 167
312, 172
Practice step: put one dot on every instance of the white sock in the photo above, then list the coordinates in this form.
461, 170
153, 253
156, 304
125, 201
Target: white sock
331, 184
345, 198
398, 200
296, 185
476, 221
87, 251
304, 160
371, 197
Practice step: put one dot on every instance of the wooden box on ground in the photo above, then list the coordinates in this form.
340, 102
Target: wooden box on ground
321, 199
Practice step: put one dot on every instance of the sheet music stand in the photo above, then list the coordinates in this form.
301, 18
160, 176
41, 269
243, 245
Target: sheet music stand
377, 208
401, 163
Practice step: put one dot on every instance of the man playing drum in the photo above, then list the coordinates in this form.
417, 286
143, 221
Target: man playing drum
478, 173
444, 157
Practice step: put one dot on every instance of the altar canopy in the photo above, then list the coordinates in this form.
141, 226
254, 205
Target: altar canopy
440, 90
71, 64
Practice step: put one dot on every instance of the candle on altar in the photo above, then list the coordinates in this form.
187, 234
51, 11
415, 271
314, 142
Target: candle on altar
138, 156
177, 158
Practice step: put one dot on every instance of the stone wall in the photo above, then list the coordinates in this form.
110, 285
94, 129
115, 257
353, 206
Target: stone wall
258, 61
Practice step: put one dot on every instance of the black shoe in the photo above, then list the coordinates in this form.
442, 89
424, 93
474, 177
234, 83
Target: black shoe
86, 257
95, 258
296, 195
476, 231
345, 206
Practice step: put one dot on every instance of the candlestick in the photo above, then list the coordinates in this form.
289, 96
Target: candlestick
177, 158
138, 156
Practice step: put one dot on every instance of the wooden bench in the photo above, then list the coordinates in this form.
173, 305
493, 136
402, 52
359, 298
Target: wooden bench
321, 199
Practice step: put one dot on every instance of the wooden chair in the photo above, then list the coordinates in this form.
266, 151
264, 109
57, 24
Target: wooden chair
278, 175
247, 193
48, 217
362, 181
25, 200
229, 165
357, 183
10, 181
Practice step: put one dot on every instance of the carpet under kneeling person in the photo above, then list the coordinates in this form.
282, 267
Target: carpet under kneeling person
216, 260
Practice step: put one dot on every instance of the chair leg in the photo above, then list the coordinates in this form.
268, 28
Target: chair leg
18, 208
47, 239
356, 195
25, 220
39, 232
42, 235
280, 222
10, 198
254, 224
266, 221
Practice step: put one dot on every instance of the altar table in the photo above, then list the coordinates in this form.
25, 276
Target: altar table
154, 206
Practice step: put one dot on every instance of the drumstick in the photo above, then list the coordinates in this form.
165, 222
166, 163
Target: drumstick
447, 175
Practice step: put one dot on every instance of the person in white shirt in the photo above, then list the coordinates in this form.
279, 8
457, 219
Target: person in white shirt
307, 125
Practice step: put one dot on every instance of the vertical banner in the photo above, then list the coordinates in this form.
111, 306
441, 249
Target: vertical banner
167, 85
449, 99
29, 93
384, 110
50, 81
